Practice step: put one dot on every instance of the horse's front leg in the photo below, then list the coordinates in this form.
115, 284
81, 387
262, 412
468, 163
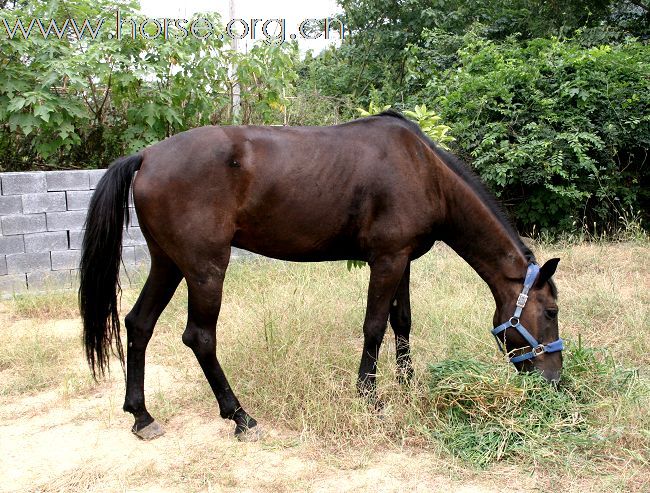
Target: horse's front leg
400, 321
385, 275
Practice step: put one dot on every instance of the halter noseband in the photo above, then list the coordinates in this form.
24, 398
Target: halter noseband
537, 348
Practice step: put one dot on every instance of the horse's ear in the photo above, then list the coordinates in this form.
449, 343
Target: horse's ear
546, 271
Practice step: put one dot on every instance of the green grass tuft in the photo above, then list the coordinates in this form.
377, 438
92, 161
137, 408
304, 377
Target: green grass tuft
48, 305
486, 412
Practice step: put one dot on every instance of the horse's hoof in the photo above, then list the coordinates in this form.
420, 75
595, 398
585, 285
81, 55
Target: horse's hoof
149, 432
253, 434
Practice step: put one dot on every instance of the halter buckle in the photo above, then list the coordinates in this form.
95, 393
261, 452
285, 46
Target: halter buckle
539, 350
521, 301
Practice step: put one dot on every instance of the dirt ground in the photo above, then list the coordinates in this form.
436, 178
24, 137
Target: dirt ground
52, 441
60, 441
49, 445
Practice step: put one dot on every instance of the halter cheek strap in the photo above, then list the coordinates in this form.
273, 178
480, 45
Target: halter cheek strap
537, 348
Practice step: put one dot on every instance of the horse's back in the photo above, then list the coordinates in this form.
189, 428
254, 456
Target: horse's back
301, 193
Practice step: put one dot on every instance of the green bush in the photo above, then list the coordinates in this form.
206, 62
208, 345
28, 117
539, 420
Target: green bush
559, 131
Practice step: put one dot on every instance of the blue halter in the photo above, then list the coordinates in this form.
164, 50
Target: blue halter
537, 348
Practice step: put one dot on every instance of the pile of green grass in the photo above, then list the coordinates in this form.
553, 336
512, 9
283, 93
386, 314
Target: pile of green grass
486, 412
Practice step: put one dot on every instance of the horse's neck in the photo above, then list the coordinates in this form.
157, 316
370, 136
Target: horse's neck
482, 239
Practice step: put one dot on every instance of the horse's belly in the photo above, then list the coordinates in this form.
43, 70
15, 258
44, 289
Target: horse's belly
286, 241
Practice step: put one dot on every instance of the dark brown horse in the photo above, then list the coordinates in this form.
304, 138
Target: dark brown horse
375, 189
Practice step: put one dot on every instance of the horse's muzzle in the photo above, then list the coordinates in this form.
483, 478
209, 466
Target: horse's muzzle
552, 376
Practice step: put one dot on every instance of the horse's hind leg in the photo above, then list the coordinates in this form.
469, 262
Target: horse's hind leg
161, 283
400, 321
204, 288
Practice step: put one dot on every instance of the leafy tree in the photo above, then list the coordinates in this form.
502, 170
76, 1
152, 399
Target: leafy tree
384, 35
70, 98
265, 76
429, 121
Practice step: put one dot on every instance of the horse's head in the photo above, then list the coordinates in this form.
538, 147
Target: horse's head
529, 326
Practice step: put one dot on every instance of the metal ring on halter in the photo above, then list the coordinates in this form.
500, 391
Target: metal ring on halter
539, 350
514, 321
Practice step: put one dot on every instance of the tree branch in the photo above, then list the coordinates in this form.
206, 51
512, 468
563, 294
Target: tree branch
108, 89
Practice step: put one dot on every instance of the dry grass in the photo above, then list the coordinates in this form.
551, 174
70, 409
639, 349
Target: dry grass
40, 356
289, 338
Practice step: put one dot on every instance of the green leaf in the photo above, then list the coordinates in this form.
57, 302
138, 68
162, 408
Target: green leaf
43, 112
16, 104
355, 264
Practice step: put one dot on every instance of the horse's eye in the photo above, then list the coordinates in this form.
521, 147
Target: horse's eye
551, 313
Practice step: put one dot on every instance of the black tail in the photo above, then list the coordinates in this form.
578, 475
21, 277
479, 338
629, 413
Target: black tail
99, 270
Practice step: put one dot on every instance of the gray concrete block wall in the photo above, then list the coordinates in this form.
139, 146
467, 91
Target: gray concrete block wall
21, 183
18, 224
12, 204
42, 215
34, 203
66, 221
